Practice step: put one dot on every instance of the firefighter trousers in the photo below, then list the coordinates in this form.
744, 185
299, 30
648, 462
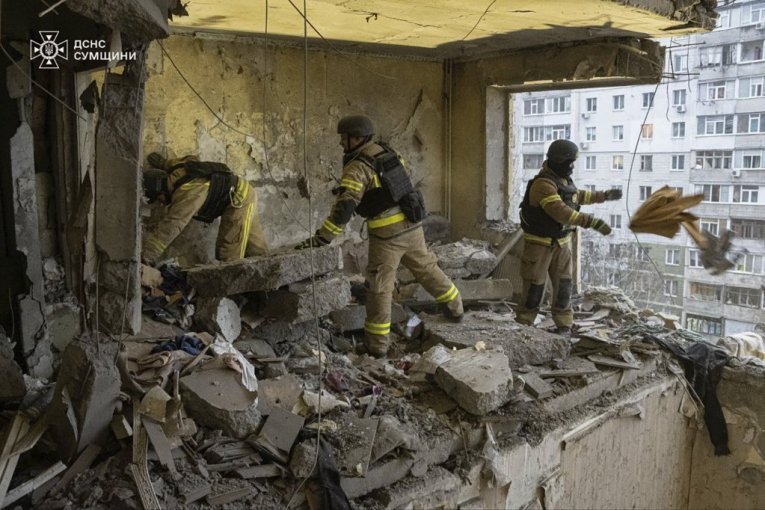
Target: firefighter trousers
240, 233
385, 255
537, 263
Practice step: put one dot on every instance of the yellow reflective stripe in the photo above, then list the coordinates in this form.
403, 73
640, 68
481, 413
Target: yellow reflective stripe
376, 181
376, 328
331, 227
241, 190
551, 198
246, 233
351, 184
573, 217
537, 239
384, 222
587, 197
449, 295
195, 184
156, 244
564, 240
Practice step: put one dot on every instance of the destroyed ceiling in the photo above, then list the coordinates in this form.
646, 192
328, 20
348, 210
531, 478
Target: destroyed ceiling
450, 28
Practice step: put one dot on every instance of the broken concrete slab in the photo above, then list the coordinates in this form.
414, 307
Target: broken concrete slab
263, 273
536, 386
439, 488
87, 391
377, 477
473, 255
352, 317
479, 381
302, 459
279, 434
63, 324
216, 398
470, 290
358, 437
283, 391
262, 350
392, 434
277, 332
219, 315
523, 345
12, 385
296, 303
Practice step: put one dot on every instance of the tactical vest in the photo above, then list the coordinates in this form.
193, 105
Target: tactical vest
395, 187
535, 221
222, 181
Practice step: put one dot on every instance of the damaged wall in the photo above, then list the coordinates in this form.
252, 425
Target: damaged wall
736, 480
403, 97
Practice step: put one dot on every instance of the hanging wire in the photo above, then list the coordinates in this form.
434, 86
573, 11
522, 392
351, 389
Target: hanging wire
333, 47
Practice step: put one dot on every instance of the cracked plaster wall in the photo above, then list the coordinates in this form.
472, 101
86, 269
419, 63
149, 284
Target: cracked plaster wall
736, 480
407, 110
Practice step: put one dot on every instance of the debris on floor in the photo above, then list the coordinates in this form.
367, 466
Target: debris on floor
225, 399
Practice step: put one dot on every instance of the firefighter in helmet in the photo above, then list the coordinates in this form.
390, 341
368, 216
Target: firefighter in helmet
376, 185
549, 215
202, 190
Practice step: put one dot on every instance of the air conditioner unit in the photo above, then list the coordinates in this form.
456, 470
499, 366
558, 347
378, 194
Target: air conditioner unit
585, 115
583, 145
735, 173
680, 108
760, 25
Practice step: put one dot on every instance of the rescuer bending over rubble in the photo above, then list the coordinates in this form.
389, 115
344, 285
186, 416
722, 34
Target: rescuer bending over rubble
202, 190
376, 185
549, 215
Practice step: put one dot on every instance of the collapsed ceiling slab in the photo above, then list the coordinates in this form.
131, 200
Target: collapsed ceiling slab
450, 28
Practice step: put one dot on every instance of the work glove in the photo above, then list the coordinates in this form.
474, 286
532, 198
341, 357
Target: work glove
613, 194
156, 160
600, 225
315, 239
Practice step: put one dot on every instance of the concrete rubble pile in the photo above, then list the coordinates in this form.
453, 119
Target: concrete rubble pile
225, 407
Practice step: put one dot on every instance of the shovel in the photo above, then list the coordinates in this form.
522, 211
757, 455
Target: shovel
665, 211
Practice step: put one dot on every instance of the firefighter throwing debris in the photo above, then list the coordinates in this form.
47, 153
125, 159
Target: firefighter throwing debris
376, 185
202, 190
549, 215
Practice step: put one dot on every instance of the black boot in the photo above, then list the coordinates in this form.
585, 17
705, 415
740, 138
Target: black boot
450, 315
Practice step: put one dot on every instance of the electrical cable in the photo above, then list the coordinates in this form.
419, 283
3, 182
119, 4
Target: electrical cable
627, 191
306, 176
479, 20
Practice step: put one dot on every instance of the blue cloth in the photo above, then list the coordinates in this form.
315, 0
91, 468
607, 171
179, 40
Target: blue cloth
185, 343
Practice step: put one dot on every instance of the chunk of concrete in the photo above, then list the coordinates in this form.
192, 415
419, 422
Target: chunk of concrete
263, 273
283, 391
262, 349
63, 324
523, 345
11, 378
277, 332
358, 435
302, 459
379, 476
279, 433
216, 399
352, 317
439, 488
87, 393
479, 381
296, 303
219, 315
488, 289
468, 254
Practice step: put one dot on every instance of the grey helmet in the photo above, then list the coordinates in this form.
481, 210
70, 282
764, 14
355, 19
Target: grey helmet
356, 125
562, 151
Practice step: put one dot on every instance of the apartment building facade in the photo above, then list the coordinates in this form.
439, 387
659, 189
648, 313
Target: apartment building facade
701, 130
